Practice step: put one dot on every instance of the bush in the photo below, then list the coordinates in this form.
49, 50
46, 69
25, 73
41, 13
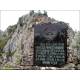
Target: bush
11, 29
8, 66
10, 53
5, 38
2, 43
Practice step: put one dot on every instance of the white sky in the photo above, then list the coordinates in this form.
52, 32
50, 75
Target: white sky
11, 17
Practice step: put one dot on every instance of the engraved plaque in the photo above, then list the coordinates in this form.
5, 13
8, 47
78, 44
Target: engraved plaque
50, 44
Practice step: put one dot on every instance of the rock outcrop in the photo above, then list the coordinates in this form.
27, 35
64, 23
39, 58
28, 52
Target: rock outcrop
19, 49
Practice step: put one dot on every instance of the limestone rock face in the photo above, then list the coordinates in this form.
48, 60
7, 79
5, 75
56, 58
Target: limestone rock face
70, 52
21, 42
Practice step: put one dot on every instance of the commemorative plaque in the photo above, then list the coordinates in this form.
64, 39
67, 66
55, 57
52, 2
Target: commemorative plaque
50, 44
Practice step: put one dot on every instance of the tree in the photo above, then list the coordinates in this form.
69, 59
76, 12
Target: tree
45, 13
39, 13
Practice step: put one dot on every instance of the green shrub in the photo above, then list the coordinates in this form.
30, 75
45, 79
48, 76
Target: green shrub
10, 53
8, 66
5, 38
3, 42
11, 29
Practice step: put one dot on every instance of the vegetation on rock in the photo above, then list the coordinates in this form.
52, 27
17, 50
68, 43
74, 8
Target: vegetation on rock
18, 39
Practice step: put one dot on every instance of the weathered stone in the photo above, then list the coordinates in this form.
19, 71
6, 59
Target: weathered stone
22, 42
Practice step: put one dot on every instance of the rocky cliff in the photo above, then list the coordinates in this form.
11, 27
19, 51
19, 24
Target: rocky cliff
18, 51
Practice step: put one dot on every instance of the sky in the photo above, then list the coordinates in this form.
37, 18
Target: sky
11, 17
